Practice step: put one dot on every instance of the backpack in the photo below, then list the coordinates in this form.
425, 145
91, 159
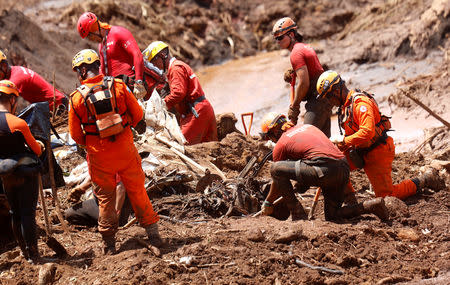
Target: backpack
101, 104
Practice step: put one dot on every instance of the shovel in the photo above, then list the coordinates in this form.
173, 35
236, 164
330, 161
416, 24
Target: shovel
51, 242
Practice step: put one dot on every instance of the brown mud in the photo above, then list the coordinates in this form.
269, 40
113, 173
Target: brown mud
377, 45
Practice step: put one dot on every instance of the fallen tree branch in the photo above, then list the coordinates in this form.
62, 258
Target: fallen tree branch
447, 124
429, 139
319, 268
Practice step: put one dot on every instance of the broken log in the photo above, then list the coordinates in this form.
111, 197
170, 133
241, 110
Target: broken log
439, 118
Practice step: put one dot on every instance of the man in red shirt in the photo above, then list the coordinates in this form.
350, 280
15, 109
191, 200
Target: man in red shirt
197, 119
110, 155
119, 52
32, 86
304, 154
306, 68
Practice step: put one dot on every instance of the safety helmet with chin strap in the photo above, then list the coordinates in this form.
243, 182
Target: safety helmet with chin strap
9, 88
326, 82
283, 26
85, 56
270, 121
153, 49
85, 23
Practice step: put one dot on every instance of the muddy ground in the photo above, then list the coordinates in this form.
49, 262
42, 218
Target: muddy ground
413, 247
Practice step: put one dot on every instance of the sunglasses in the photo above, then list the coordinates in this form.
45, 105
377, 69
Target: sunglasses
279, 38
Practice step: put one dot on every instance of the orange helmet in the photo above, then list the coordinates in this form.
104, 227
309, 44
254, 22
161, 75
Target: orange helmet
2, 56
270, 121
282, 26
8, 87
85, 22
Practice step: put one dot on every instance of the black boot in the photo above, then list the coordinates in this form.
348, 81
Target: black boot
33, 253
19, 238
109, 244
297, 211
376, 207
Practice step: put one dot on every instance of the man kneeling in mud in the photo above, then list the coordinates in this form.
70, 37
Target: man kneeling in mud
304, 154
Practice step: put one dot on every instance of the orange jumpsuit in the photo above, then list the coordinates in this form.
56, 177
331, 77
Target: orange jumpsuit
109, 157
359, 132
187, 96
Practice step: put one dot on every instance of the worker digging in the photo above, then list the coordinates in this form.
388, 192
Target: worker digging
144, 174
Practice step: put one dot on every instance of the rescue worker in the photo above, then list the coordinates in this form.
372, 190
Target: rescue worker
120, 55
19, 169
304, 154
196, 115
365, 141
110, 154
32, 87
306, 68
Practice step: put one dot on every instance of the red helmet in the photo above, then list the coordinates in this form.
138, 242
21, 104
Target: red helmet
85, 23
282, 26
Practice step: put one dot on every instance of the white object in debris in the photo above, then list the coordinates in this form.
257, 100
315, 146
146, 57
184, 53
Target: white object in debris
150, 163
187, 260
63, 153
158, 117
77, 175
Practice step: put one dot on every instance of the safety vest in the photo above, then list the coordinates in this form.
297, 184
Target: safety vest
345, 119
103, 113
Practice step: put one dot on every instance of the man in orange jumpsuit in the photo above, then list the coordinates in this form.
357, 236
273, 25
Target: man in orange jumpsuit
110, 155
197, 119
366, 143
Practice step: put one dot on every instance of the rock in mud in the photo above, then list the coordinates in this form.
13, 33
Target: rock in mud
256, 235
396, 208
47, 274
408, 235
289, 236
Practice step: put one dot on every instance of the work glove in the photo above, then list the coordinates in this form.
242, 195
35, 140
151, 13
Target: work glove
293, 113
288, 75
139, 90
267, 208
140, 127
338, 140
41, 144
75, 194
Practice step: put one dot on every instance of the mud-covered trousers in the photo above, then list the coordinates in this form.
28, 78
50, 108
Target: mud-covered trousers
318, 114
133, 178
22, 190
378, 167
202, 128
332, 175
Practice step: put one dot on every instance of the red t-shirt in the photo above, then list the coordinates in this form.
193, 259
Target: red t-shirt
303, 54
122, 53
184, 86
33, 87
305, 142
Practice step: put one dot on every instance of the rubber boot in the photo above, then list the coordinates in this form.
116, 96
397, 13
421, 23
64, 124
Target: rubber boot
19, 238
33, 252
109, 244
297, 211
376, 207
350, 199
153, 235
430, 179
